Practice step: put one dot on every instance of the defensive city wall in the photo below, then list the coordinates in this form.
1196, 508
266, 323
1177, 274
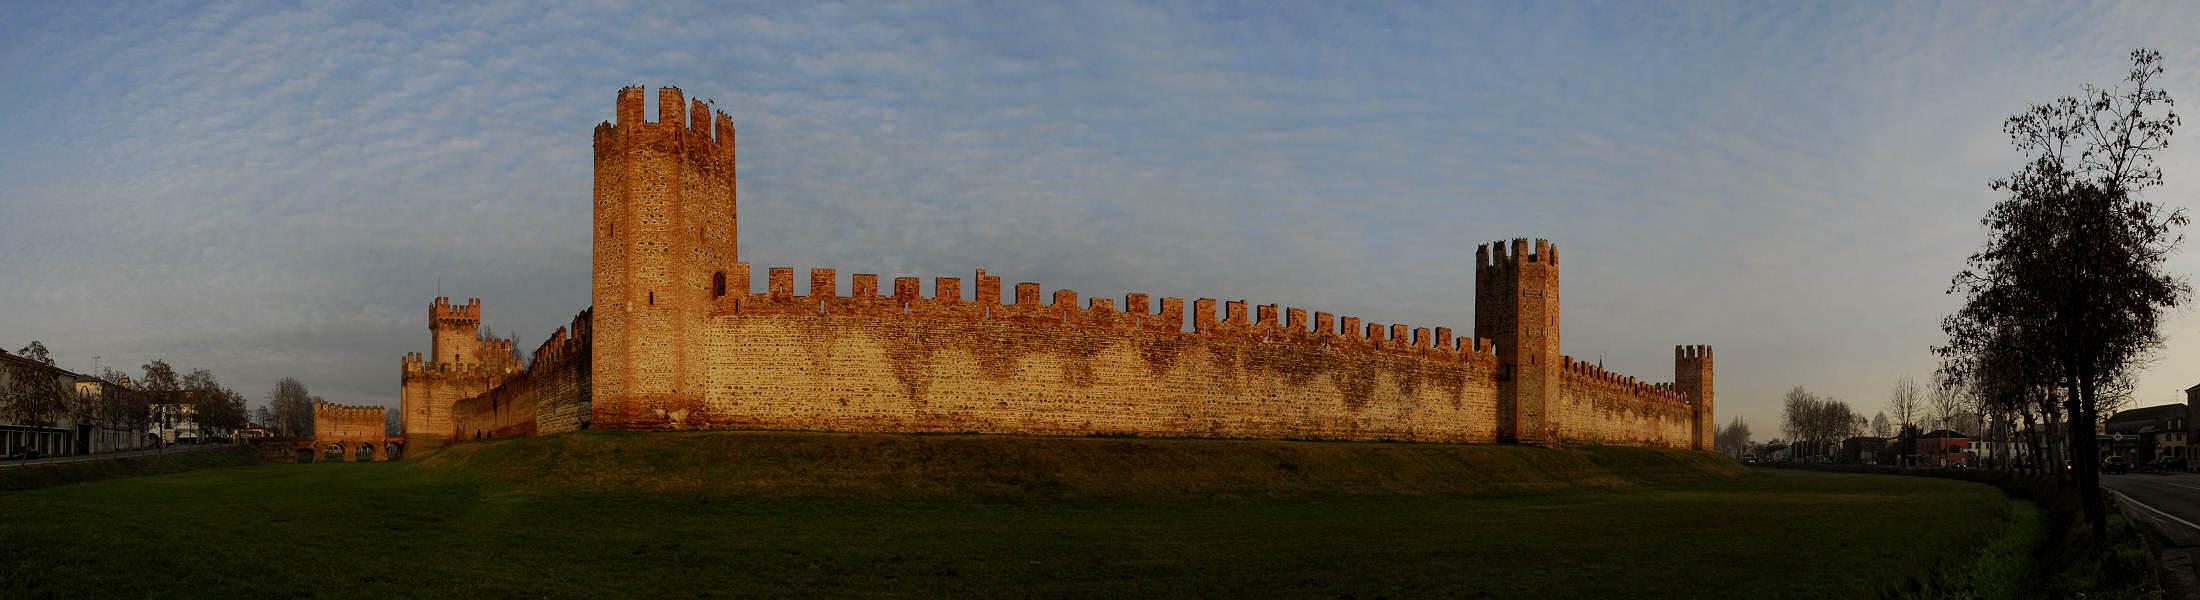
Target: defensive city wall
677, 339
346, 429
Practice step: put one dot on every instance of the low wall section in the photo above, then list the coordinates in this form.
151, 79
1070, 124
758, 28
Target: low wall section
549, 396
1602, 407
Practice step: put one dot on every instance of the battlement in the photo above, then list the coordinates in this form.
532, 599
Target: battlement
1587, 373
1494, 255
323, 408
694, 118
1692, 355
1267, 323
442, 311
566, 340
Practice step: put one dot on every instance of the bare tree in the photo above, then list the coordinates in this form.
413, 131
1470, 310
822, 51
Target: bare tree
1880, 427
292, 406
1816, 424
37, 395
1732, 438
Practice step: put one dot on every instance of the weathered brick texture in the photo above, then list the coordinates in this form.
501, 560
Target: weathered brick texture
908, 363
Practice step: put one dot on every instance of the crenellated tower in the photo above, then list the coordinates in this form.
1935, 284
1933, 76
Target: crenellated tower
460, 363
665, 241
455, 331
1692, 377
1516, 308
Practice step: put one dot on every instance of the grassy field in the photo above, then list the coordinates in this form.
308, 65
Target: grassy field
785, 514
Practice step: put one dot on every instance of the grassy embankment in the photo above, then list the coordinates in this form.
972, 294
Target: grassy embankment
763, 514
34, 476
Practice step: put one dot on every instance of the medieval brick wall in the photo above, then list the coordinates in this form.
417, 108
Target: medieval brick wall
1602, 407
551, 395
864, 361
350, 426
678, 342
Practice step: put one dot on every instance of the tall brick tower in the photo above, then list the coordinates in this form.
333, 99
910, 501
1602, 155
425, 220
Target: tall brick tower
1516, 307
459, 363
1692, 377
664, 247
456, 331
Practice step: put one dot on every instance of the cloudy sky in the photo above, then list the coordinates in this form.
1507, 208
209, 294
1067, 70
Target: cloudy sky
270, 190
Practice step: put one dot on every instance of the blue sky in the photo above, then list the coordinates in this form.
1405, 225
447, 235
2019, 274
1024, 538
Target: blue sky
271, 190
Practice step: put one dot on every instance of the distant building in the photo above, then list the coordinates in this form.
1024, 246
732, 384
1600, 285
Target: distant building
175, 415
49, 432
110, 420
1944, 448
1865, 450
2143, 434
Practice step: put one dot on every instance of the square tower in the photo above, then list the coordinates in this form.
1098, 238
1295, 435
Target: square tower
664, 243
1516, 308
1692, 377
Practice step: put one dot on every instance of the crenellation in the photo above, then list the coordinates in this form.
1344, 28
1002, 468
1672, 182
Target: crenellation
782, 284
989, 288
906, 291
1171, 318
668, 108
823, 283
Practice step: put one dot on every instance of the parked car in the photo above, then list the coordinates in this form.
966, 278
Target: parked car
2116, 464
2167, 463
24, 452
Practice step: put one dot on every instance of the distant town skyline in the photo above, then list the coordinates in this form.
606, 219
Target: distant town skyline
268, 190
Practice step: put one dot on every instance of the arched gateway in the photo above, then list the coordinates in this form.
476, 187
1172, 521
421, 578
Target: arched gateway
350, 433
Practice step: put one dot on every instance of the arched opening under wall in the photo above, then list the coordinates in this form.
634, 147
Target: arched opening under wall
303, 455
364, 453
393, 451
334, 451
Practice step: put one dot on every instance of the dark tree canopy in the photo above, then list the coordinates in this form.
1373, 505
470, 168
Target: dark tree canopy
35, 351
2069, 290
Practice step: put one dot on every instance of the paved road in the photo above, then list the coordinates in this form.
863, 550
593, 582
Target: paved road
85, 457
2171, 503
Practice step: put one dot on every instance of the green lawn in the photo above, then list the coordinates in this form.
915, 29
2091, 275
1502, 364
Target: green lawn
460, 524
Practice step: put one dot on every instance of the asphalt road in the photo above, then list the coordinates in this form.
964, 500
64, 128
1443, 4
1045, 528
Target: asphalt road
2170, 502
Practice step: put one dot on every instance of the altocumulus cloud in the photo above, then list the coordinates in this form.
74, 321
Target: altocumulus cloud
276, 190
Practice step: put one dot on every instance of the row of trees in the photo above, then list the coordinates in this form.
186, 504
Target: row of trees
1817, 425
34, 396
2065, 300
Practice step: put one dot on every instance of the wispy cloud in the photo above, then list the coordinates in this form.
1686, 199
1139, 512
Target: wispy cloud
274, 190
